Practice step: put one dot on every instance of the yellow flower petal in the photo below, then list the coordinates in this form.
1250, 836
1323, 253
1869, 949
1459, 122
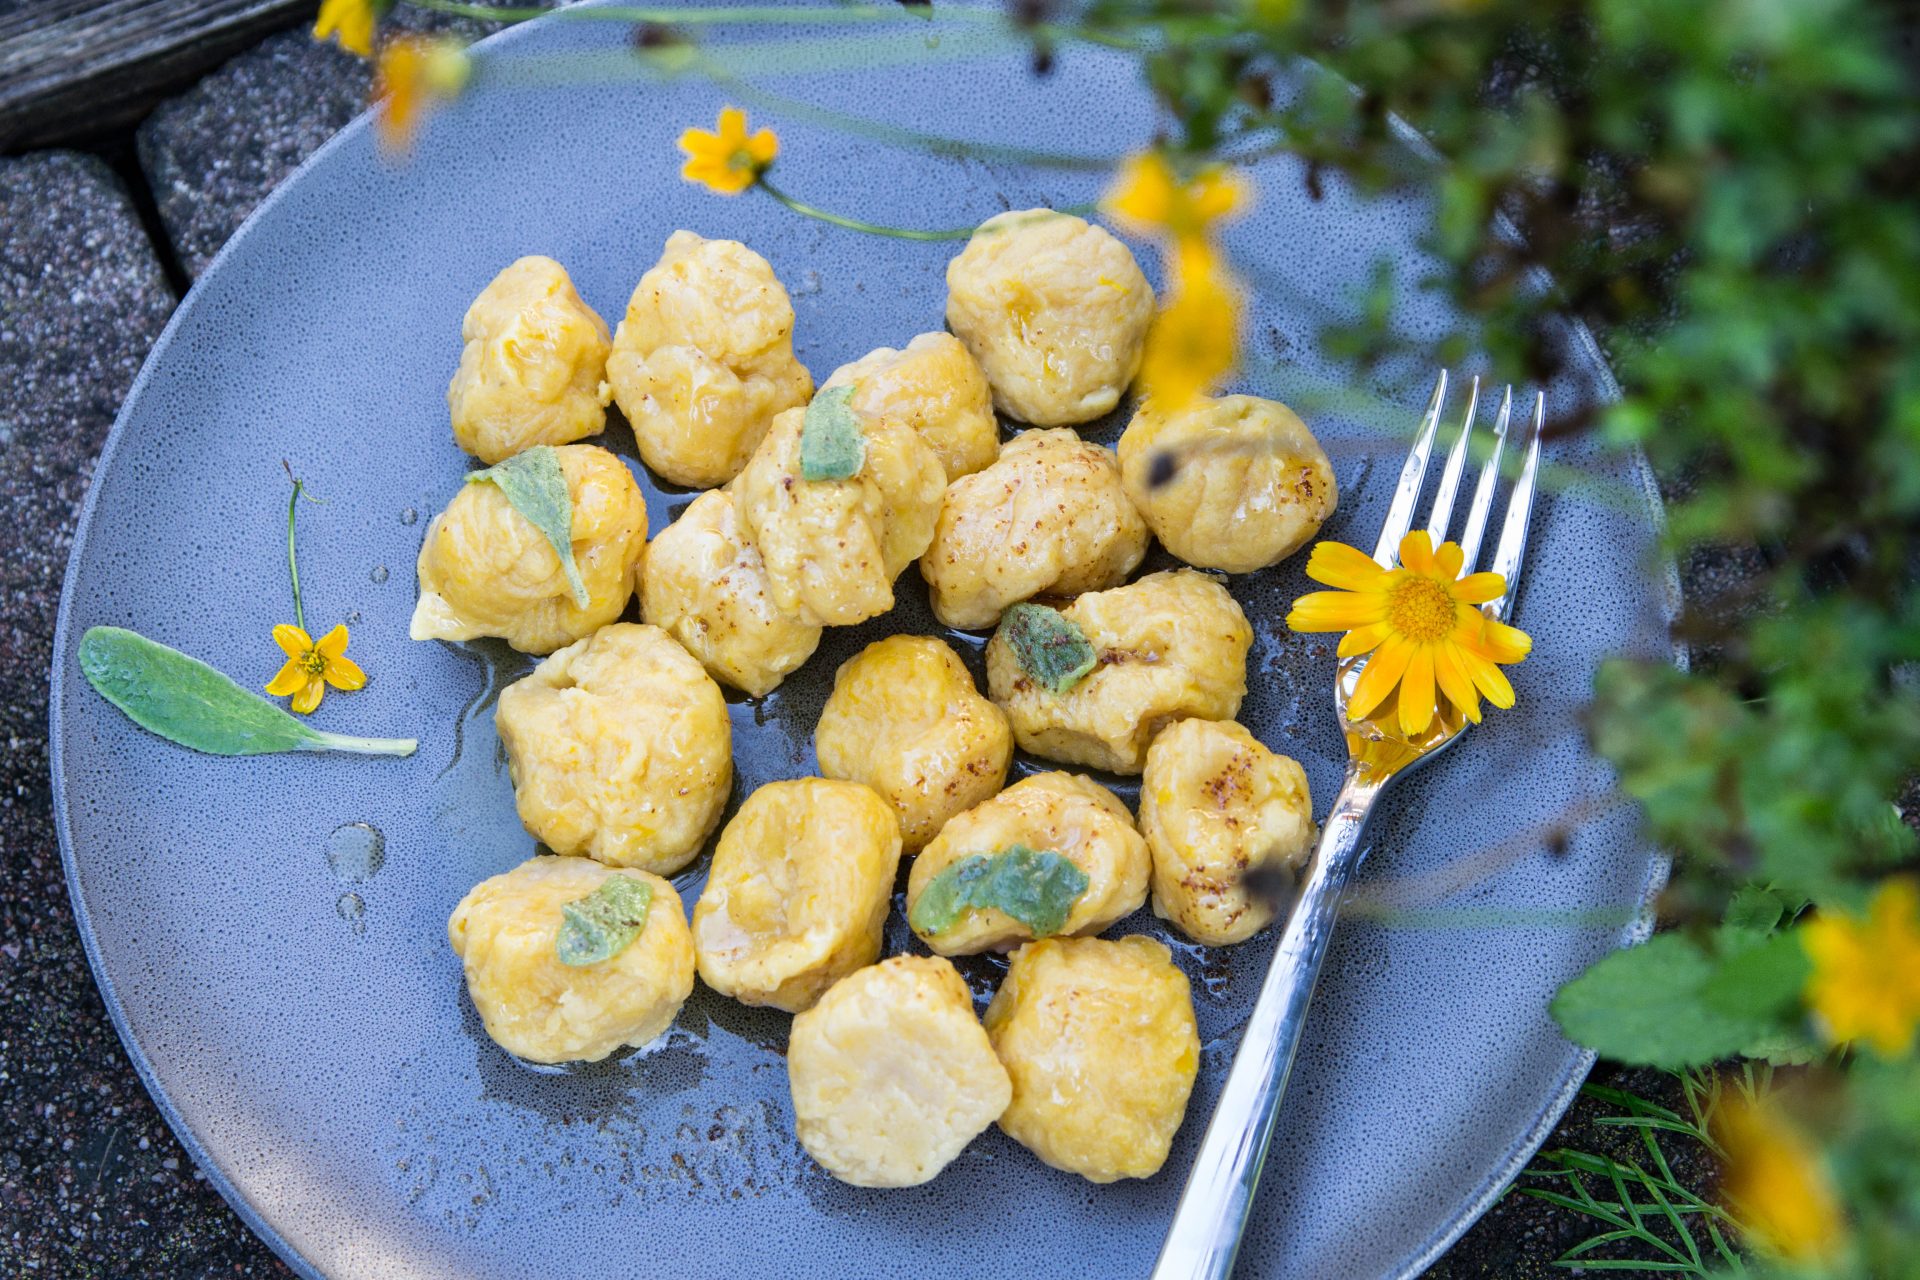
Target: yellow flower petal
1865, 981
334, 643
309, 696
1416, 553
1486, 677
1478, 588
294, 642
1502, 643
1339, 565
727, 161
762, 147
1454, 681
345, 674
1775, 1181
1335, 611
292, 676
350, 20
1364, 639
1416, 692
1379, 676
1450, 559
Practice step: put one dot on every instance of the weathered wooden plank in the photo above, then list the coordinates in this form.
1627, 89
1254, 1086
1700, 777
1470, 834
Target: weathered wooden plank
72, 68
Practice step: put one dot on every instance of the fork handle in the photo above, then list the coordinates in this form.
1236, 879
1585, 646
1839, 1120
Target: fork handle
1205, 1235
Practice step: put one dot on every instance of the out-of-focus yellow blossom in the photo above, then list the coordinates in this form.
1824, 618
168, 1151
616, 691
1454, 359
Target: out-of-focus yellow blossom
1194, 341
1148, 198
351, 22
1865, 983
1775, 1183
312, 666
413, 76
1422, 624
728, 159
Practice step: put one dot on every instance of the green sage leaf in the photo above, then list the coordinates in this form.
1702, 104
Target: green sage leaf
1036, 887
186, 701
605, 922
534, 483
832, 445
1048, 645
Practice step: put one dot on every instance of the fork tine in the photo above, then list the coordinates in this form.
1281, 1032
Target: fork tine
1513, 534
1386, 552
1476, 530
1450, 477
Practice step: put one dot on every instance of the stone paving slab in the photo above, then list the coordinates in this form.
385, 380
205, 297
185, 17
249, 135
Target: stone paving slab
92, 1183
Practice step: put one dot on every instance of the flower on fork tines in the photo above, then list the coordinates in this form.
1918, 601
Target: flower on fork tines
1419, 624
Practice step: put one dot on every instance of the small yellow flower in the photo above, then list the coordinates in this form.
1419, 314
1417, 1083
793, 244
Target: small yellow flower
1865, 983
413, 76
351, 21
312, 667
1775, 1183
1194, 341
1422, 625
1148, 198
730, 160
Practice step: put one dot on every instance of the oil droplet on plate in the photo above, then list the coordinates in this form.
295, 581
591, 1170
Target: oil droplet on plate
409, 516
352, 908
379, 573
356, 851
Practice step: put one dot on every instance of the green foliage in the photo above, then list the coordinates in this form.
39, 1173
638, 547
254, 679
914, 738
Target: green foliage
535, 484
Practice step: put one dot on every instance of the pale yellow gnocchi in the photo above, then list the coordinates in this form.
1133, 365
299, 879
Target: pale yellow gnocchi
1100, 1041
531, 370
1235, 484
1216, 804
936, 387
892, 1074
486, 570
543, 1010
705, 583
1169, 646
1060, 813
704, 359
1049, 517
619, 748
798, 892
1055, 310
832, 548
904, 718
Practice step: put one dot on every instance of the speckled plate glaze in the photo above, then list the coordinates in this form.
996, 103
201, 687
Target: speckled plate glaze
286, 988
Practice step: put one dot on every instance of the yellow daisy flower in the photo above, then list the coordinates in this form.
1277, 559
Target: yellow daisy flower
312, 666
1775, 1183
412, 76
1421, 624
1194, 341
730, 160
1865, 983
1149, 198
350, 21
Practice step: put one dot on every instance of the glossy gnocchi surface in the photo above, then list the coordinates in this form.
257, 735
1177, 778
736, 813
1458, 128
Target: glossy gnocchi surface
936, 387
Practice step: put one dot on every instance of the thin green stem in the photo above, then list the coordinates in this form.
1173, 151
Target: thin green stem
293, 561
365, 746
875, 228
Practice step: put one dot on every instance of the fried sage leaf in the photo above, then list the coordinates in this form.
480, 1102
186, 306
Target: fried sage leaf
537, 487
1036, 887
186, 701
832, 446
605, 922
1048, 645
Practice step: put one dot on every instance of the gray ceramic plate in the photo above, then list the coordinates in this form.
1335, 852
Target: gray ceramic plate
300, 1018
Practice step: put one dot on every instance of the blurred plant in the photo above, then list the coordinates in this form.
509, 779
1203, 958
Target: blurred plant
412, 76
1726, 191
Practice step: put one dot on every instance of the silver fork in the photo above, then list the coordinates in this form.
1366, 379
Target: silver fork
1205, 1235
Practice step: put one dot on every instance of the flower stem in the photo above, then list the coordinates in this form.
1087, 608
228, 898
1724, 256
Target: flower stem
874, 228
364, 746
293, 562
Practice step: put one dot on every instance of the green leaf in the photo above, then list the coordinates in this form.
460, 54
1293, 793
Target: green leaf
1649, 1005
1037, 888
1760, 980
1048, 645
1753, 911
186, 701
535, 484
605, 922
832, 445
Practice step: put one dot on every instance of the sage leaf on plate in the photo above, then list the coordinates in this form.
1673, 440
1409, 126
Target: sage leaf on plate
1049, 646
535, 484
603, 923
832, 446
186, 701
1036, 887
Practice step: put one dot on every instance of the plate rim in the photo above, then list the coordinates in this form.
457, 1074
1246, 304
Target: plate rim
1471, 1208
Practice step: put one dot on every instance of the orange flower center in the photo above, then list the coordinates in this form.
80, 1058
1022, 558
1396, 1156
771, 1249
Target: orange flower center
1421, 609
314, 662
